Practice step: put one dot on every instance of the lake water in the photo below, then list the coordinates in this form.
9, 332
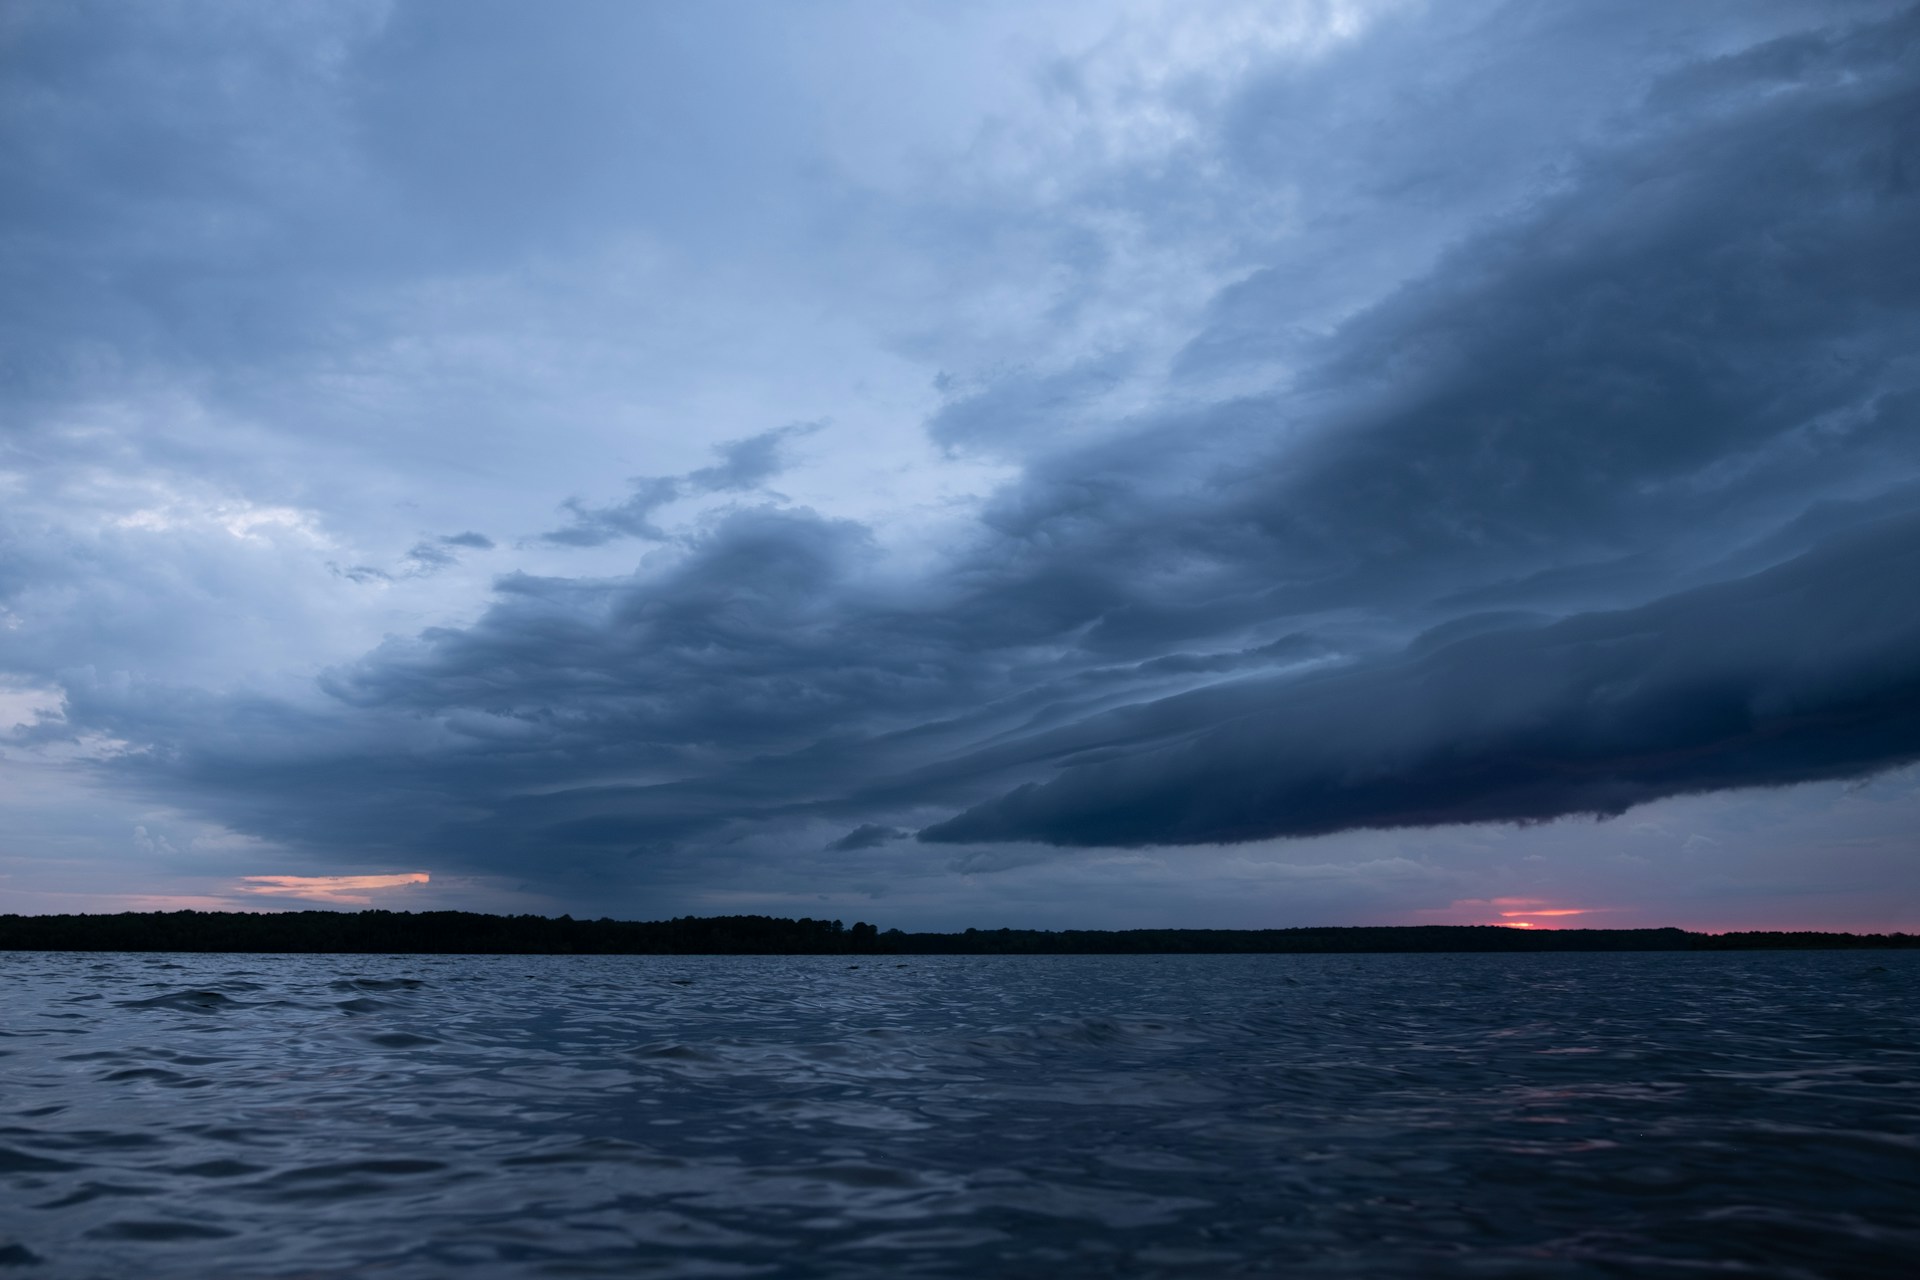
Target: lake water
1460, 1115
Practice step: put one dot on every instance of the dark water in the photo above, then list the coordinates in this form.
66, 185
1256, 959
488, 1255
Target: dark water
1574, 1115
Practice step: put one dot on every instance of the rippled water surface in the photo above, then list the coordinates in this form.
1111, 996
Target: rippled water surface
1642, 1115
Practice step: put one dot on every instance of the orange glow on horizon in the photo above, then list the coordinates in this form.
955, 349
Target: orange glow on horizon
348, 890
1507, 913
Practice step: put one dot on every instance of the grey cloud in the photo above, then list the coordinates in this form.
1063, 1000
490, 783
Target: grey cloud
360, 573
868, 835
1023, 411
1809, 670
745, 465
428, 556
1602, 504
422, 559
986, 862
748, 464
633, 518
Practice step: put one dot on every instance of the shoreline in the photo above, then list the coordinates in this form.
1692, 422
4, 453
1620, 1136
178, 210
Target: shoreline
376, 932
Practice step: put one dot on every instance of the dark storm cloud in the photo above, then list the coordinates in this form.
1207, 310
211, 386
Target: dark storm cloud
1611, 503
1809, 670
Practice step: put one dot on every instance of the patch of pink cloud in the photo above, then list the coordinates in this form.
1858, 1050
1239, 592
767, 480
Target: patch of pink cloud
1512, 913
342, 890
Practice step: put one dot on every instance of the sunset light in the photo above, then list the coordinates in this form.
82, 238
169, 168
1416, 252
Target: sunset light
1510, 913
1113, 637
345, 890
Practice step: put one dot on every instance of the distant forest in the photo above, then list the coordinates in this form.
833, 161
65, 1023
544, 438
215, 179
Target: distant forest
465, 932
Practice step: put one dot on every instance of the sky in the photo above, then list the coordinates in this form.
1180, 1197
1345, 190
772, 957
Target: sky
1076, 465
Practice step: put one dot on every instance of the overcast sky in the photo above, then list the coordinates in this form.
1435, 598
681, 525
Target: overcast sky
1095, 464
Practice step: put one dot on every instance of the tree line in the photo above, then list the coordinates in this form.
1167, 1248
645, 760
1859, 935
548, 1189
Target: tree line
467, 932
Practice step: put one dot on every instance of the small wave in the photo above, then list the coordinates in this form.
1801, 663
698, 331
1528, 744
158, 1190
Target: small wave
94, 1191
344, 1179
158, 1074
12, 1161
673, 1052
159, 1231
865, 1176
594, 1151
217, 1169
191, 1001
391, 1167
